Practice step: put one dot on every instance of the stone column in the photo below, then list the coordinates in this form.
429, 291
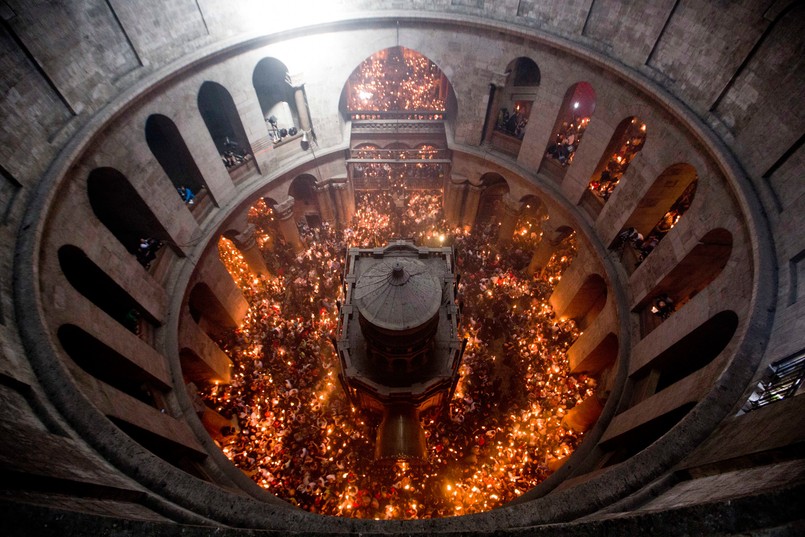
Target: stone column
346, 206
508, 220
326, 204
301, 108
471, 203
298, 85
551, 239
287, 225
246, 242
454, 192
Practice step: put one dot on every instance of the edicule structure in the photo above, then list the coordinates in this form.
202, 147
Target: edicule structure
398, 340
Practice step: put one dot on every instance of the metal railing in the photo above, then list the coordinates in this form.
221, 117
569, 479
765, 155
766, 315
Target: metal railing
782, 380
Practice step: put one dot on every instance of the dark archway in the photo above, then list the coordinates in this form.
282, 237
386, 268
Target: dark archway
221, 117
120, 208
168, 147
275, 95
107, 365
494, 187
688, 278
574, 115
588, 301
99, 288
626, 142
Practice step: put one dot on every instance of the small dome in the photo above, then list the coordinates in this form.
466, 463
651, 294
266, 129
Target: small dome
398, 294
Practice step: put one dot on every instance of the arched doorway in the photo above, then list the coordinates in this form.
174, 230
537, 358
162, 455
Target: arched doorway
494, 187
221, 116
626, 142
170, 150
125, 214
574, 115
276, 97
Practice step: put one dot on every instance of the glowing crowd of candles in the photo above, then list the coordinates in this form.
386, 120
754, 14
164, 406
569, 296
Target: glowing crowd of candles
299, 438
396, 79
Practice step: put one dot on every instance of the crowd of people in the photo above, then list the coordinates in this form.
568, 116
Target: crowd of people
630, 144
299, 437
566, 141
512, 124
396, 79
233, 154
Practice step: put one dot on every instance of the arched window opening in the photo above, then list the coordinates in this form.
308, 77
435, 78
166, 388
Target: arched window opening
487, 220
660, 209
124, 213
597, 360
526, 72
396, 83
208, 312
588, 301
693, 352
221, 116
306, 207
179, 455
510, 106
689, 277
170, 150
626, 142
639, 438
107, 365
91, 281
528, 229
276, 97
571, 122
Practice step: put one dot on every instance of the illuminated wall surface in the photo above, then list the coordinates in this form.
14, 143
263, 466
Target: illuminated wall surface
621, 189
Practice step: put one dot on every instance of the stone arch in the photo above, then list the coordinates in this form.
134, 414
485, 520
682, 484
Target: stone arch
588, 301
666, 189
512, 105
99, 288
107, 365
524, 72
119, 207
626, 142
493, 188
220, 115
169, 148
691, 353
208, 312
276, 96
572, 119
691, 275
427, 99
306, 205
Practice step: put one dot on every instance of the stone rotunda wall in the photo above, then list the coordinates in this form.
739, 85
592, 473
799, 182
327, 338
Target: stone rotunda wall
81, 83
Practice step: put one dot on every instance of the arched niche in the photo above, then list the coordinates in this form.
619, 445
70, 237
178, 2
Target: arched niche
120, 208
275, 94
594, 362
588, 301
512, 105
666, 189
396, 83
637, 439
168, 147
99, 288
574, 115
223, 122
493, 188
694, 351
107, 365
208, 312
306, 205
689, 277
626, 142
